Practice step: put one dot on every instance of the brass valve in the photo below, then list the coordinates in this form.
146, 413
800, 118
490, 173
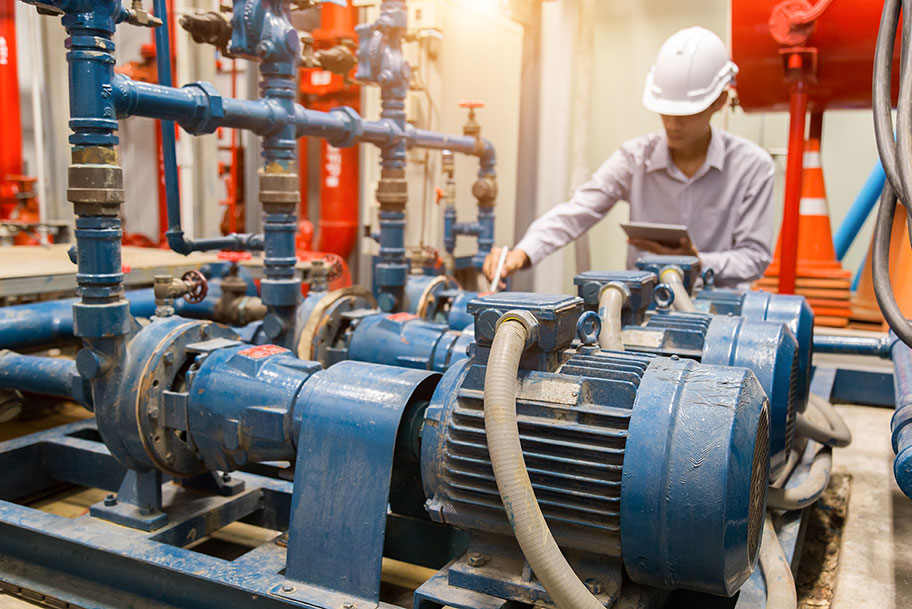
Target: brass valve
137, 15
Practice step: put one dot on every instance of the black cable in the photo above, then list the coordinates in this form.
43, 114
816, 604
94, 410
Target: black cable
880, 267
881, 95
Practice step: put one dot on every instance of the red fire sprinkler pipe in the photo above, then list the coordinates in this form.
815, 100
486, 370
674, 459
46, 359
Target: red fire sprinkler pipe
337, 226
11, 142
793, 171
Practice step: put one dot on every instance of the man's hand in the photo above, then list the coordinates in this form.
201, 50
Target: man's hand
516, 259
685, 247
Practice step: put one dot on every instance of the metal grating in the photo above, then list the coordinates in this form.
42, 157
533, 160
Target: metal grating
792, 404
759, 482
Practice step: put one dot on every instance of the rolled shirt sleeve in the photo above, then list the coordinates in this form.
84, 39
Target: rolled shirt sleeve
750, 253
589, 204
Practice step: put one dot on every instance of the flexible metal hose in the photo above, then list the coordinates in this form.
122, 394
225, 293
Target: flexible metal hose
523, 511
780, 585
834, 433
675, 281
611, 304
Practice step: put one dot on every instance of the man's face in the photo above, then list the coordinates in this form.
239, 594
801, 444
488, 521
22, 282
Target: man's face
684, 132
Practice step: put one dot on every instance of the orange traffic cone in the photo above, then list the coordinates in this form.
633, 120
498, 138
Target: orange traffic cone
864, 302
819, 276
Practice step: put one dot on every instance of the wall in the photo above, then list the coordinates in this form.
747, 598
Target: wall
627, 37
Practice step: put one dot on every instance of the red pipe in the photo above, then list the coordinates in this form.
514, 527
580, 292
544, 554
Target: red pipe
11, 142
337, 226
798, 102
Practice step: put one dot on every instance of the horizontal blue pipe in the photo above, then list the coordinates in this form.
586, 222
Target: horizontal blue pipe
859, 211
199, 108
41, 323
852, 345
33, 374
902, 416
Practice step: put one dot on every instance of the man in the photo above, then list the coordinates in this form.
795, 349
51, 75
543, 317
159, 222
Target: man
717, 184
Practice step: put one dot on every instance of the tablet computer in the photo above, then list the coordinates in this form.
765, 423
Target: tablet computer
666, 234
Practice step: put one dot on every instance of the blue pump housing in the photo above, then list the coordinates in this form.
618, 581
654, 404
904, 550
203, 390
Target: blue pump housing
611, 494
343, 325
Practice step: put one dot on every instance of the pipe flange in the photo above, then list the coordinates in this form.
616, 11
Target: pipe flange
170, 449
323, 322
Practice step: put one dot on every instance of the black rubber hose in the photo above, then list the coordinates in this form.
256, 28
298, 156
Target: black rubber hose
904, 121
880, 267
881, 94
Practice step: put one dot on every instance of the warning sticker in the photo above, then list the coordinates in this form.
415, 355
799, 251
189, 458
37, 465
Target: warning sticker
263, 351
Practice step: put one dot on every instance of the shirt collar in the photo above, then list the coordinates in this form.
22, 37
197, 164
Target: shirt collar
715, 154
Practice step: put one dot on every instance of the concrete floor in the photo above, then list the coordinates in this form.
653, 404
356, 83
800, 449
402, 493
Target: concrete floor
875, 568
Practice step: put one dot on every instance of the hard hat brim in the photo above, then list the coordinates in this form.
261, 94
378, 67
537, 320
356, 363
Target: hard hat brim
670, 107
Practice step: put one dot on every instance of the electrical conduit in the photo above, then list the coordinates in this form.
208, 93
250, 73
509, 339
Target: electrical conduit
523, 512
612, 300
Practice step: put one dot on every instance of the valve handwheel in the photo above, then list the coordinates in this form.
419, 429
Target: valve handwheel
197, 284
335, 267
471, 104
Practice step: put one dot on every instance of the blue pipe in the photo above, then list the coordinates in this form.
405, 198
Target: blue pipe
902, 416
859, 211
43, 375
42, 323
852, 345
858, 273
170, 102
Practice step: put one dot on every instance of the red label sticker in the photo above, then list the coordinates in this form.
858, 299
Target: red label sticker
263, 351
402, 316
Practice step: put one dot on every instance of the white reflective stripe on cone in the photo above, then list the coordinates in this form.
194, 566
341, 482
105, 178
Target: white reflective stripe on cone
813, 207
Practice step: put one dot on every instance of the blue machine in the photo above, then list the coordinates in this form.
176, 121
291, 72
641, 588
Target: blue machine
689, 266
768, 349
793, 311
439, 298
613, 497
345, 325
190, 399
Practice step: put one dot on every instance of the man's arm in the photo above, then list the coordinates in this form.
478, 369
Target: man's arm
589, 204
753, 234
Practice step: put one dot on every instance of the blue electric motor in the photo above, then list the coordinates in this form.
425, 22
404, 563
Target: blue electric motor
686, 511
768, 349
345, 325
793, 311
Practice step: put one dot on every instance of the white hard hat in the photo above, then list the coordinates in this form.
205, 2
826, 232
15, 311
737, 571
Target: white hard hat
690, 72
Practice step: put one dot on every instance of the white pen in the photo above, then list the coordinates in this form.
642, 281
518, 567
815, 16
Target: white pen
495, 283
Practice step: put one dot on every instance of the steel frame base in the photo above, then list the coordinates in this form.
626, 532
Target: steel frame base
90, 562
